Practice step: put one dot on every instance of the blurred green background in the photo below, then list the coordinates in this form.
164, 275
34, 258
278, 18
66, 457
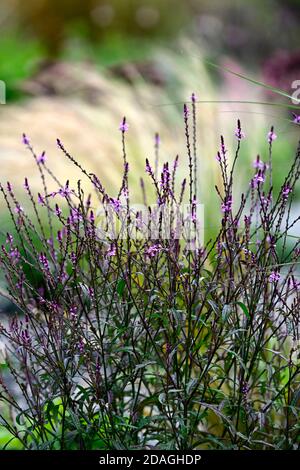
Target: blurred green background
114, 31
72, 69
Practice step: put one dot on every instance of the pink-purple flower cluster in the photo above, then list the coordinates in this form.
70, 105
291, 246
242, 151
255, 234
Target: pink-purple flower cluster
153, 250
238, 132
286, 191
274, 277
226, 205
296, 119
271, 136
123, 127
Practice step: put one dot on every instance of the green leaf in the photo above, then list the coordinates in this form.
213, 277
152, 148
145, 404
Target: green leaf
245, 310
277, 91
120, 287
162, 398
145, 364
191, 385
226, 311
214, 306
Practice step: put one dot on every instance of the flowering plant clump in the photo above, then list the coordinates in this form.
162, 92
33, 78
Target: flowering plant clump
131, 332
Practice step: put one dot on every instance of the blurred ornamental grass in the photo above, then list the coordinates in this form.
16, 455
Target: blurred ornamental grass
79, 102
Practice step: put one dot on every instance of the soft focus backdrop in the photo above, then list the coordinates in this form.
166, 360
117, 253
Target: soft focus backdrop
72, 69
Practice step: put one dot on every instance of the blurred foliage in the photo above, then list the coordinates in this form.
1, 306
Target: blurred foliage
225, 25
20, 64
107, 31
113, 50
53, 21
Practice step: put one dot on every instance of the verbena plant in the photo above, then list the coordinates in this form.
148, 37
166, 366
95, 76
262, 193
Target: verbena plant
127, 341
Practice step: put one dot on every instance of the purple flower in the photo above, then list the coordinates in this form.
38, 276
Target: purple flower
271, 136
9, 239
258, 163
41, 158
266, 200
63, 192
18, 209
258, 179
54, 306
219, 248
97, 183
14, 255
157, 140
247, 220
41, 200
44, 263
186, 112
271, 241
238, 132
148, 168
26, 337
245, 390
112, 250
81, 346
59, 236
295, 284
165, 177
66, 191
115, 203
296, 119
25, 140
73, 258
194, 208
123, 126
91, 292
274, 277
218, 157
175, 164
43, 260
92, 217
153, 250
223, 149
286, 191
125, 193
57, 210
75, 215
50, 242
20, 283
297, 252
226, 205
98, 366
26, 185
63, 277
73, 312
193, 98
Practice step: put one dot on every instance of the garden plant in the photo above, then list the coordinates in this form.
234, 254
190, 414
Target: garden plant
132, 331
